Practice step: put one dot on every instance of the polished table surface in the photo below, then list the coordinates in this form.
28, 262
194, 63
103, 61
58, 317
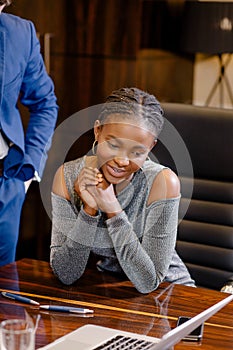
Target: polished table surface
115, 302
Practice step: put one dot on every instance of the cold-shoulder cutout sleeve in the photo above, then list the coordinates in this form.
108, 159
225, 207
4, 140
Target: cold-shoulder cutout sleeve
59, 186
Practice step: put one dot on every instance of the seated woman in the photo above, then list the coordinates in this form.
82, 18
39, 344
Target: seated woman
118, 203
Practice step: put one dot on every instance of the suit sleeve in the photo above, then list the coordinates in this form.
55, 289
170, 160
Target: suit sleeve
37, 94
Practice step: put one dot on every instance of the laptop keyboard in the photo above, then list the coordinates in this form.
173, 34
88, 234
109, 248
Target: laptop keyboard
123, 343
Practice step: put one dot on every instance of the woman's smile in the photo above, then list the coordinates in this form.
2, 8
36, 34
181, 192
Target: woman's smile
116, 171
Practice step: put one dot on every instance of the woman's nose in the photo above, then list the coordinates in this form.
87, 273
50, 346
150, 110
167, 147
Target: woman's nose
121, 160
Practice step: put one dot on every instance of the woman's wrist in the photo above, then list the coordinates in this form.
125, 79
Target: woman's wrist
90, 211
113, 209
111, 215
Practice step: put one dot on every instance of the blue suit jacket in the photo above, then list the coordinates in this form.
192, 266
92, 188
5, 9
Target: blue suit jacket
23, 76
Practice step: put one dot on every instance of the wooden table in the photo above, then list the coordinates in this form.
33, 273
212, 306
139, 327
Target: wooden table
115, 302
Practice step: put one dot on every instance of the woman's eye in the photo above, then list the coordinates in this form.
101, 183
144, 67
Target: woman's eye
138, 154
112, 145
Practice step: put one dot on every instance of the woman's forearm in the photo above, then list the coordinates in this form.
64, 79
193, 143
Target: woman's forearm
146, 263
72, 240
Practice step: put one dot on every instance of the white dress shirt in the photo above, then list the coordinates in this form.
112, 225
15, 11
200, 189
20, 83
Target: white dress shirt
3, 147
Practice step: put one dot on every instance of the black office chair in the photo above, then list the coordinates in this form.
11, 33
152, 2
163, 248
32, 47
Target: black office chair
205, 233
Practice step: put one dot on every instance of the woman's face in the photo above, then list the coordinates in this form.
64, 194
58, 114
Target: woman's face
122, 149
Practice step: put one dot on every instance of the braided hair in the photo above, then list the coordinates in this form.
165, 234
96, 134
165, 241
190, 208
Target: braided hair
136, 105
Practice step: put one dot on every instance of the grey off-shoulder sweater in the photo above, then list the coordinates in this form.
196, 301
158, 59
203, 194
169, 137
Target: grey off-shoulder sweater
140, 241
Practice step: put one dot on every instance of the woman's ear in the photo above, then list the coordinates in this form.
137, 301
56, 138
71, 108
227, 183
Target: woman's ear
97, 127
153, 144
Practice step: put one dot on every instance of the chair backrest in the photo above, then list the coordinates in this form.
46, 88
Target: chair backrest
205, 233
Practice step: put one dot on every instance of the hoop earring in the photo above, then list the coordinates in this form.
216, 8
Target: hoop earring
93, 147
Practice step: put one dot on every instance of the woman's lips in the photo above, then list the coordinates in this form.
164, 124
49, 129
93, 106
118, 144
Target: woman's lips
115, 171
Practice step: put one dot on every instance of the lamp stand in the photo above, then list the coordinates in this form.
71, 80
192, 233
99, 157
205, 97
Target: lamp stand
220, 81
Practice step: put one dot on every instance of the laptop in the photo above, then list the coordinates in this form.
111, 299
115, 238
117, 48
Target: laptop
93, 337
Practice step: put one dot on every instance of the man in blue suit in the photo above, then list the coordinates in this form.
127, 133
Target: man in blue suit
22, 153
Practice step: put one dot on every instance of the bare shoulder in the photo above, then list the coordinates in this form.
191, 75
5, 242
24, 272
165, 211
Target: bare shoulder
59, 186
166, 185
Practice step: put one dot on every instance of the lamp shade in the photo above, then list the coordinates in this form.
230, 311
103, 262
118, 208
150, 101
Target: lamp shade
207, 27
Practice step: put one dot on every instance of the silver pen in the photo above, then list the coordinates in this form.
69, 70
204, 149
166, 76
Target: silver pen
19, 298
68, 309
